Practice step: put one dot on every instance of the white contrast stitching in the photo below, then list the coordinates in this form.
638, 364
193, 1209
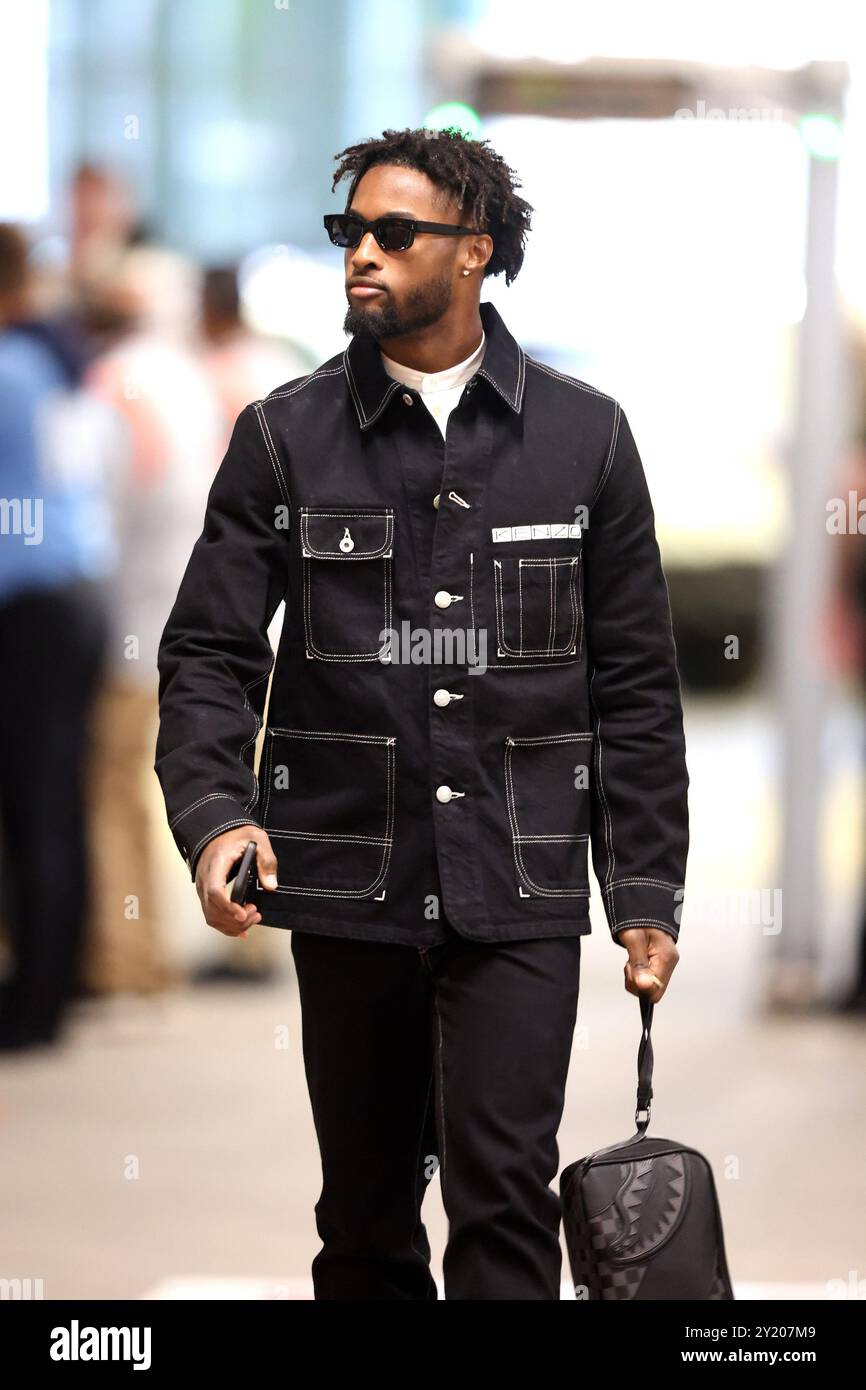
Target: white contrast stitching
517, 399
551, 839
387, 514
384, 552
337, 837
645, 922
551, 593
550, 738
472, 588
272, 452
395, 386
573, 562
212, 834
532, 665
569, 380
211, 796
608, 822
336, 736
313, 376
229, 796
516, 838
611, 450
389, 742
661, 882
609, 898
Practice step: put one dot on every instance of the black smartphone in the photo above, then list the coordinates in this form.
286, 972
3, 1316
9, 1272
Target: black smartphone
241, 887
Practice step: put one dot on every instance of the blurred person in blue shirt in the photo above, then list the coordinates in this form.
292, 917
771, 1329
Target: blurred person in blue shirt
171, 437
55, 548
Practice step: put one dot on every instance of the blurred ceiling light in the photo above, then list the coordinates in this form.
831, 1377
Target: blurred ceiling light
822, 135
776, 34
454, 113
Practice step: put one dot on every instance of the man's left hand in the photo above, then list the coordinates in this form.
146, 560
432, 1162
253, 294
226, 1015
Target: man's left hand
652, 959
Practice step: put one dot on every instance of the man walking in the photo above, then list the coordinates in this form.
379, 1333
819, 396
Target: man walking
475, 688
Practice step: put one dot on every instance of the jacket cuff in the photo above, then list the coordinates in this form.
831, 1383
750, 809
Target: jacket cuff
643, 902
201, 822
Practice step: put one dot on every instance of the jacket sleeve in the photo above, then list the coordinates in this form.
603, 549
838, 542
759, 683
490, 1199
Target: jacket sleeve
215, 656
639, 803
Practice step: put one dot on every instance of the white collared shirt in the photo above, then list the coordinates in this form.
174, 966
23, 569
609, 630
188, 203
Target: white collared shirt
441, 390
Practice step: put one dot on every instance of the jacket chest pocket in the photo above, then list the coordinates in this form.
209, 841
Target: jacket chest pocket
547, 789
347, 556
538, 606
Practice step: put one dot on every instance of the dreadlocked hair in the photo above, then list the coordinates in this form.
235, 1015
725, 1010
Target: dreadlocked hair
468, 169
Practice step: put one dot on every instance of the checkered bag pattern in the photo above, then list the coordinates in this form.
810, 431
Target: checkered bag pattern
642, 1222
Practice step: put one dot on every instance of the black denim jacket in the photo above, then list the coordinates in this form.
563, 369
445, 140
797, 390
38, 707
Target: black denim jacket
476, 683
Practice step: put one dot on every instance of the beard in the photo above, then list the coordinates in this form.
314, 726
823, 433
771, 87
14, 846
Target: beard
422, 306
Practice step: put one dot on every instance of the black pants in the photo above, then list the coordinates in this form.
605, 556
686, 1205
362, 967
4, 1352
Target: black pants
457, 1052
53, 645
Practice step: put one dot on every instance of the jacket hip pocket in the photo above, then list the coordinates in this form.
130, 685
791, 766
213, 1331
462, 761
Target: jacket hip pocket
538, 606
329, 809
547, 788
347, 555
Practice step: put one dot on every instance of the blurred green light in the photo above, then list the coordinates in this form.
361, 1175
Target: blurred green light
456, 114
821, 134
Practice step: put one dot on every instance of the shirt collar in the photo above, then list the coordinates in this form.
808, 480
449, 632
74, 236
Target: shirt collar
504, 367
446, 380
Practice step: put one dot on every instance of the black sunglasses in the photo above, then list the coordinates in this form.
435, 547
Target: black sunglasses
391, 233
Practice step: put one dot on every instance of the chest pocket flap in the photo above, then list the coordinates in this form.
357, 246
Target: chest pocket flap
328, 533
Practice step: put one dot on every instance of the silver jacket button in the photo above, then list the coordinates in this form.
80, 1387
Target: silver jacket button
442, 599
443, 793
436, 500
347, 544
442, 698
407, 399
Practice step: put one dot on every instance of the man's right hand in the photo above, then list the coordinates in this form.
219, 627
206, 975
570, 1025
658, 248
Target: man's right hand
216, 862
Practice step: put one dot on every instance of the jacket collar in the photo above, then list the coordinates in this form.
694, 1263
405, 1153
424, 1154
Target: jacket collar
503, 366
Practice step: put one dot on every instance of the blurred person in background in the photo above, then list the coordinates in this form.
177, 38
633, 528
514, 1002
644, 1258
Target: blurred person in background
844, 629
153, 377
244, 365
103, 224
54, 549
73, 270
